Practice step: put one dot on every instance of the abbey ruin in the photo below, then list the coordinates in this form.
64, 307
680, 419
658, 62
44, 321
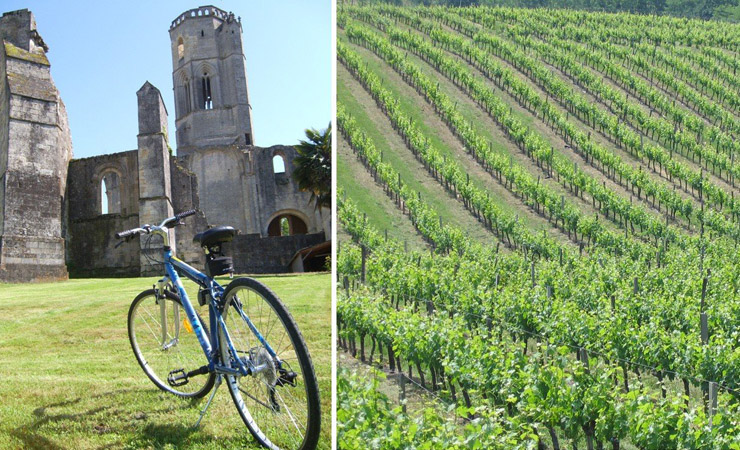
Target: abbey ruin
58, 215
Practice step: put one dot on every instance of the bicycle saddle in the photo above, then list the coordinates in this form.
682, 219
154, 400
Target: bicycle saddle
214, 236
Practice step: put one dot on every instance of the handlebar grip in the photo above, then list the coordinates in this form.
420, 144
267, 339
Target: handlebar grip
124, 234
184, 214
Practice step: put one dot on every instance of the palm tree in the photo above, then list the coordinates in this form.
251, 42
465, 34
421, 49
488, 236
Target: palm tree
313, 166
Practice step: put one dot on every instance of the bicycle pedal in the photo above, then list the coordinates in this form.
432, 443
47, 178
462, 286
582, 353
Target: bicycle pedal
177, 377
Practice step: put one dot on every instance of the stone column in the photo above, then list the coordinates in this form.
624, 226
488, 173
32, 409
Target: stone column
155, 191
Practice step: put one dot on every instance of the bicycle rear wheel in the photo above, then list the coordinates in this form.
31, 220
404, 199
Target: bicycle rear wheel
166, 346
280, 403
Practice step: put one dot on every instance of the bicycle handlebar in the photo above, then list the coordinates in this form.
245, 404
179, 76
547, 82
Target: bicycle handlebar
169, 223
127, 233
184, 214
172, 222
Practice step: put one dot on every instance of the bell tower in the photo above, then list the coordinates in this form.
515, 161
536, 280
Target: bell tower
210, 81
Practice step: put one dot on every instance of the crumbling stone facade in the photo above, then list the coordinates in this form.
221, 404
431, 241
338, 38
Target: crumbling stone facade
218, 170
35, 147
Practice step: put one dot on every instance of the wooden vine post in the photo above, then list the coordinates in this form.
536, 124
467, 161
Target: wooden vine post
709, 388
364, 264
402, 390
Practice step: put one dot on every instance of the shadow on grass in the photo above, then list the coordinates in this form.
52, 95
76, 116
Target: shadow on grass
167, 436
47, 430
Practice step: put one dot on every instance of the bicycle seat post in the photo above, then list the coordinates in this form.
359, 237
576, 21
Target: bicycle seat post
210, 398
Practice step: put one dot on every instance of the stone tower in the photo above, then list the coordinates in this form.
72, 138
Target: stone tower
210, 81
35, 148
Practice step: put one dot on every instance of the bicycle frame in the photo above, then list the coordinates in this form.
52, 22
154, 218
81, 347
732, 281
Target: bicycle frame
216, 321
230, 356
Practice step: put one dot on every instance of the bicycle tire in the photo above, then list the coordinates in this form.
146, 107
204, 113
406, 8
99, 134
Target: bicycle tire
265, 392
187, 354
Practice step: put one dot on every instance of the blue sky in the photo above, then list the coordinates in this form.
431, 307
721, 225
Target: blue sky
102, 52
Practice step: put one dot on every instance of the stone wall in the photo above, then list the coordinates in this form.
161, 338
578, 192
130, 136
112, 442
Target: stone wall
239, 188
4, 129
278, 193
232, 185
255, 254
90, 239
185, 197
223, 185
35, 147
19, 28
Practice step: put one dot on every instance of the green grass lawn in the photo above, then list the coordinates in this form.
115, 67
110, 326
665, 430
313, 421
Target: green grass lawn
68, 377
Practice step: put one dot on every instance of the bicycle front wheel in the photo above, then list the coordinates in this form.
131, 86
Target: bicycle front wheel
166, 346
279, 403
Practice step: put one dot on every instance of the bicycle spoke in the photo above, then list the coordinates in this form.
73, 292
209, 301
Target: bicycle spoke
284, 423
180, 350
290, 415
150, 328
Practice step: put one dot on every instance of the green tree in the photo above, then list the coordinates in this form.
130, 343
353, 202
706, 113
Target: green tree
313, 166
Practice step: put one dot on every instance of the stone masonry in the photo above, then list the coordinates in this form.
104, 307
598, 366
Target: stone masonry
35, 147
155, 192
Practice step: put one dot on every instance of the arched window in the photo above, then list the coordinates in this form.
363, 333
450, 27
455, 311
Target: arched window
286, 225
103, 198
110, 194
186, 95
180, 48
278, 164
206, 90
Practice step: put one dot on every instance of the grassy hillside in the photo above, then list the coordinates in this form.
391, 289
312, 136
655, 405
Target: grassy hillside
576, 170
726, 10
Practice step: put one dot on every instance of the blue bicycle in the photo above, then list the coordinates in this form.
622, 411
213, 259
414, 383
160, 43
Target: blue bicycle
250, 340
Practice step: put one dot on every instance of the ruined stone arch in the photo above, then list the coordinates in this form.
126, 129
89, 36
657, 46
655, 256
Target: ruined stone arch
297, 223
109, 189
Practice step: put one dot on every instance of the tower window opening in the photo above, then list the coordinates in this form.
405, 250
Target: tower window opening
206, 87
278, 164
186, 100
103, 198
202, 33
180, 49
248, 138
